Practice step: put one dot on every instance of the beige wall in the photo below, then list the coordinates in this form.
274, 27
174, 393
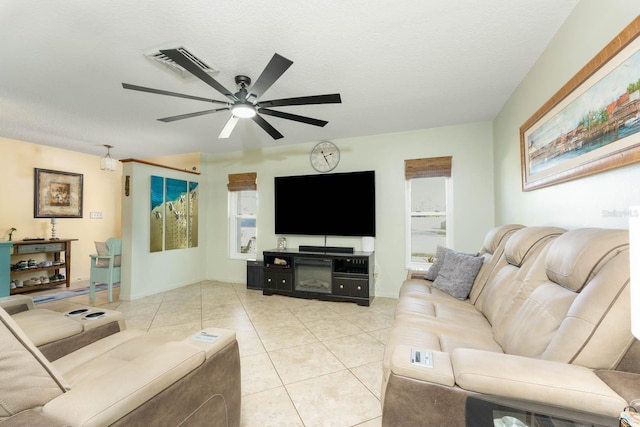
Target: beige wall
469, 144
101, 194
583, 202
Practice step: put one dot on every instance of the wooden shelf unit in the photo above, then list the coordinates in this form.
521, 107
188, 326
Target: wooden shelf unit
23, 249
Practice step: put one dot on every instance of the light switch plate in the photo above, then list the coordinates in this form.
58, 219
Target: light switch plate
95, 215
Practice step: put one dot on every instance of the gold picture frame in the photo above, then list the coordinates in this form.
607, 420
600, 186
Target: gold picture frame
592, 124
57, 194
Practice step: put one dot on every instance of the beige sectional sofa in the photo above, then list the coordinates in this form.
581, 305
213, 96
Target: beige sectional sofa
545, 330
128, 378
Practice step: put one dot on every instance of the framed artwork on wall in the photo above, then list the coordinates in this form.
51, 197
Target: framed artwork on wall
57, 194
592, 123
174, 214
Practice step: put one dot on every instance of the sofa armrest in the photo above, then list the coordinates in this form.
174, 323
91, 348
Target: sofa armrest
543, 381
16, 303
226, 337
440, 373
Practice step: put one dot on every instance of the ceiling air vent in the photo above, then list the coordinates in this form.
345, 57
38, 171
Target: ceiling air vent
162, 59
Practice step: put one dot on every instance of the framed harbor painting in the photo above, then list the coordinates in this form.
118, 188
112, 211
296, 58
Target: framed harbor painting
57, 194
592, 123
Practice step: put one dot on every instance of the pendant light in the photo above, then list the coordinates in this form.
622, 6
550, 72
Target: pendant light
106, 162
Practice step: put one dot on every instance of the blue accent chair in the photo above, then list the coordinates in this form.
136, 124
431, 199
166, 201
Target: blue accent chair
105, 266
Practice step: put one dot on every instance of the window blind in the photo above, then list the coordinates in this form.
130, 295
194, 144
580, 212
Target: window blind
428, 167
242, 181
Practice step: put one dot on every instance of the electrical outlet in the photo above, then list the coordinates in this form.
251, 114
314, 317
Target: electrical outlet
95, 215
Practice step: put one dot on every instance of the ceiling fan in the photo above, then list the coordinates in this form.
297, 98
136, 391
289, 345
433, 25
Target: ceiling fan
244, 103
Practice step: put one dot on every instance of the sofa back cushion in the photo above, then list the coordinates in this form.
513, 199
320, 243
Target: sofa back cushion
491, 251
27, 379
580, 312
520, 253
579, 255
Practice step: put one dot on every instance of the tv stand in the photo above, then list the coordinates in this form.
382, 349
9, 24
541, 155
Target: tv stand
323, 275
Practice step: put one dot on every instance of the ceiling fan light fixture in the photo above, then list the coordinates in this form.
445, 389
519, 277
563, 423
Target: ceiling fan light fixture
243, 110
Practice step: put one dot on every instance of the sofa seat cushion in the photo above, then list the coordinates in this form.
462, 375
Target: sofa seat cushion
109, 380
434, 305
58, 326
415, 287
106, 355
553, 383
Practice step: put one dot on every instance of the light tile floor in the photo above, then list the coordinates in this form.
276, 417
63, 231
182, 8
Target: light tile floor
304, 362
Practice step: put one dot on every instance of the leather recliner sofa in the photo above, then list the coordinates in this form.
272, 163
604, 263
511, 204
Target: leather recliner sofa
58, 334
128, 378
546, 331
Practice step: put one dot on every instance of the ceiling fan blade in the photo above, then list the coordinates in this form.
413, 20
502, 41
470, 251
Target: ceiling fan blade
267, 127
186, 63
303, 100
289, 116
165, 92
272, 72
228, 128
189, 115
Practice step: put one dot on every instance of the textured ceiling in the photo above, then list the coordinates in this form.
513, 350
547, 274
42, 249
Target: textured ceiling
398, 65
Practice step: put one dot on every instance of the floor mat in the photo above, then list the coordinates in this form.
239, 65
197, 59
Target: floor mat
69, 294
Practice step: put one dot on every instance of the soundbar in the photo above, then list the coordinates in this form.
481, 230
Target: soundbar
330, 249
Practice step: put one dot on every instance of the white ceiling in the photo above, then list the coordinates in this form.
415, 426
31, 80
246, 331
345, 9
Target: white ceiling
398, 65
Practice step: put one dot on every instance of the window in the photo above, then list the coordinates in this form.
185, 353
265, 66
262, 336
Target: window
428, 209
243, 214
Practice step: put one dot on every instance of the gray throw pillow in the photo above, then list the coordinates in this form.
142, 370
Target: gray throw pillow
458, 273
432, 272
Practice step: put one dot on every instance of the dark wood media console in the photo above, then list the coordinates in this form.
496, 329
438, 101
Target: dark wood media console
320, 275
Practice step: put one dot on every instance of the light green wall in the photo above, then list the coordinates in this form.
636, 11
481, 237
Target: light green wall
469, 144
582, 202
147, 273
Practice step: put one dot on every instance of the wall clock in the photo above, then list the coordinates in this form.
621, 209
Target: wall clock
325, 156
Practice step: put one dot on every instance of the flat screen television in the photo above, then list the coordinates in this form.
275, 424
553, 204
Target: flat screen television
337, 204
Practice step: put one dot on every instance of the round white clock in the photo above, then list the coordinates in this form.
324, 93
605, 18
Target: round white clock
325, 156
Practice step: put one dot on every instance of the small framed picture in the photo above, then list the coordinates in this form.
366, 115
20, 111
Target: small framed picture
282, 243
57, 194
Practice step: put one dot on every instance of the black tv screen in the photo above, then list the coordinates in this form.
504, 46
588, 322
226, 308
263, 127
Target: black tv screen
337, 204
